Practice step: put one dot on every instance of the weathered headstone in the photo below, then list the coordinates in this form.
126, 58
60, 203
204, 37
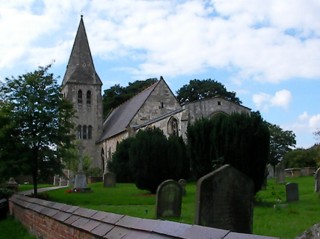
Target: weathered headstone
225, 200
80, 181
292, 192
183, 184
109, 180
280, 174
317, 180
12, 185
56, 180
169, 199
270, 171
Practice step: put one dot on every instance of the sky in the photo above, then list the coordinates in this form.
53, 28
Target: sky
267, 51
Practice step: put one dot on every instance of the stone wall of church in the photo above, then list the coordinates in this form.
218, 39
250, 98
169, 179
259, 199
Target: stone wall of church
88, 114
160, 102
109, 147
209, 107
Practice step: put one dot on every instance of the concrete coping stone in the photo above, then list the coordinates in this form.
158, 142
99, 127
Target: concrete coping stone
116, 226
84, 212
102, 229
201, 232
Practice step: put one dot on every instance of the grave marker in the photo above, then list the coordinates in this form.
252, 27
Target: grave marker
169, 199
225, 200
109, 180
317, 180
292, 192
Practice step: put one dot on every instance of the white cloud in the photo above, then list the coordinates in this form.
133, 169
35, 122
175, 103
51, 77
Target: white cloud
307, 123
271, 43
280, 99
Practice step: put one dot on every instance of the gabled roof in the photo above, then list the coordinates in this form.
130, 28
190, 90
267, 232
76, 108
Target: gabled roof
119, 119
80, 68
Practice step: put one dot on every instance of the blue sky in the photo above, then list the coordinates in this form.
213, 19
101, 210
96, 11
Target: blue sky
267, 51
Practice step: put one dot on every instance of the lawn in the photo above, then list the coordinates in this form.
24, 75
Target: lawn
12, 229
272, 216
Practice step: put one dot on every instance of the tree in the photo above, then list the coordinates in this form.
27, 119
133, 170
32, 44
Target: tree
117, 94
299, 158
240, 140
204, 89
120, 162
281, 142
150, 160
42, 121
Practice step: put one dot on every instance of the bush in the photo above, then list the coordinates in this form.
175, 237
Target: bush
240, 140
149, 159
120, 162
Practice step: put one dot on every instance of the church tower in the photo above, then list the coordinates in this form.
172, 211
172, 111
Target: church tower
81, 85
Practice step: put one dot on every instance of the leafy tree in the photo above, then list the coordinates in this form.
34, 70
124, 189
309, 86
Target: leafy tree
281, 142
240, 140
204, 89
117, 94
120, 162
299, 158
150, 160
42, 121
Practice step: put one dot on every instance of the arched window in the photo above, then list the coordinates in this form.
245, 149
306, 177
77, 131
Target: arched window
79, 132
84, 130
79, 96
88, 97
89, 132
173, 127
102, 159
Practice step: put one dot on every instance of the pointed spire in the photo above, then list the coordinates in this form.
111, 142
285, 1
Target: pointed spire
80, 67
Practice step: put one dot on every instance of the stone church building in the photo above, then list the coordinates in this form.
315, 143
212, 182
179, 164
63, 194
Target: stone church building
155, 106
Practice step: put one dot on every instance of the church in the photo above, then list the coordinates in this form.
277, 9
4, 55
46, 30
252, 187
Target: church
155, 106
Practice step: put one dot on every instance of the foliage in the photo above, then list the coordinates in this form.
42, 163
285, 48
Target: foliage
299, 158
149, 159
11, 228
117, 94
281, 142
240, 140
41, 120
120, 162
204, 89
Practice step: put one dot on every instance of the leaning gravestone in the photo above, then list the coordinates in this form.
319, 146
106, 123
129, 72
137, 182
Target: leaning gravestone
109, 180
169, 199
292, 192
225, 200
280, 175
270, 171
317, 180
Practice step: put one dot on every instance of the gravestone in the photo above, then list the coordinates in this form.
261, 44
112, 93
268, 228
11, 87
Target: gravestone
292, 192
270, 171
80, 181
169, 199
225, 200
317, 180
280, 174
12, 185
109, 180
183, 184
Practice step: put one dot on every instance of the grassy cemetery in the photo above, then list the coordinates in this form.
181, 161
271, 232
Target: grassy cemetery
273, 216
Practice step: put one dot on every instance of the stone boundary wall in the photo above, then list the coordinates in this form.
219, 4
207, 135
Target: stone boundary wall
51, 220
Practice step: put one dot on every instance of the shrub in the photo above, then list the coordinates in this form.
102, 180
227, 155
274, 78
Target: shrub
120, 162
240, 140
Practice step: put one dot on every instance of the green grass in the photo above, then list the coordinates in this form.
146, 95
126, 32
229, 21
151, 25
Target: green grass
25, 187
285, 222
12, 229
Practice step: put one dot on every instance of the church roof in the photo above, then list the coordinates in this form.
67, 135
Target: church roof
119, 119
80, 68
